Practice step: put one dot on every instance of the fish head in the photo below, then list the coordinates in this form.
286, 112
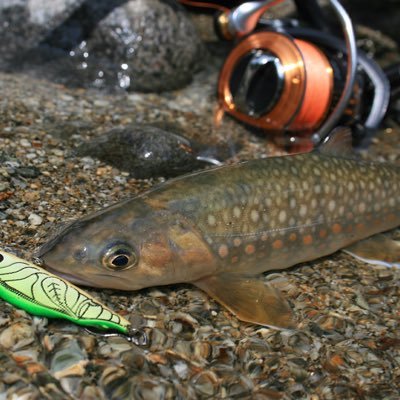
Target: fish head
128, 246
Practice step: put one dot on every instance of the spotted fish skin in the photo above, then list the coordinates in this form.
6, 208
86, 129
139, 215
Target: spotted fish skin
274, 213
219, 228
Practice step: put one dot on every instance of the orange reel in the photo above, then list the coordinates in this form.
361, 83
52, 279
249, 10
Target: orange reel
305, 78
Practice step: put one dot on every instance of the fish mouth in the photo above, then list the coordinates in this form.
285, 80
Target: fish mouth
68, 277
88, 281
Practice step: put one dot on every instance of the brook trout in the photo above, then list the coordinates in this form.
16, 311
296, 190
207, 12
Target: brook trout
219, 228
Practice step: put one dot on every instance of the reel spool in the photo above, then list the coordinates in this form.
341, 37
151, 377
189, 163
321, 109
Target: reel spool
277, 83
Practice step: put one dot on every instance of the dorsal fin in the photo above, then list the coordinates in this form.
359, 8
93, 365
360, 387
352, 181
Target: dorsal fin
338, 143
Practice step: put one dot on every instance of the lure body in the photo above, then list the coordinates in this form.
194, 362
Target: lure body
39, 292
219, 228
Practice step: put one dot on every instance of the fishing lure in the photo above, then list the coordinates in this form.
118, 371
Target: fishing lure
27, 286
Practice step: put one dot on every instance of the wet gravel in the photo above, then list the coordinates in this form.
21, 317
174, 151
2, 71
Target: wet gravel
348, 344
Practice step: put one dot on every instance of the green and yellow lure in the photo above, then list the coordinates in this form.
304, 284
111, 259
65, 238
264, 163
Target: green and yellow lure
27, 286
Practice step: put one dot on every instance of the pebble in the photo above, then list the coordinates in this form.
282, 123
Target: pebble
35, 219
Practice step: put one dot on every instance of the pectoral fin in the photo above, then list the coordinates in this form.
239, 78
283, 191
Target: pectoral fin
249, 299
378, 249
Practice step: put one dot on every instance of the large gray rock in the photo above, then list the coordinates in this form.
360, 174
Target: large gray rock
152, 45
143, 45
146, 151
24, 23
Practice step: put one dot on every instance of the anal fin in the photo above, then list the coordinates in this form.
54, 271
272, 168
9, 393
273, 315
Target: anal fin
377, 249
249, 299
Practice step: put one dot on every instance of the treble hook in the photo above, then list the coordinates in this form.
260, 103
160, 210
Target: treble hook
136, 336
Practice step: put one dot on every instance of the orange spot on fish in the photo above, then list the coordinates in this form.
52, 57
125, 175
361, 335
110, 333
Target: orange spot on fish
292, 237
250, 249
223, 250
278, 244
336, 228
360, 227
323, 233
392, 217
307, 240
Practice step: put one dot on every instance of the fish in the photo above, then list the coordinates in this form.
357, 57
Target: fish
221, 228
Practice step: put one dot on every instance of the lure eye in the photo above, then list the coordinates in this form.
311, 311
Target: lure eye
119, 257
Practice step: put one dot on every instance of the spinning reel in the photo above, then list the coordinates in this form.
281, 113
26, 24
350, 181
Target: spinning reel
296, 80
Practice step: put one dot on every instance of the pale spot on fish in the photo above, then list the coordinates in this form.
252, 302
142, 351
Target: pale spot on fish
237, 242
282, 216
371, 185
331, 205
362, 207
211, 220
255, 216
314, 203
303, 210
237, 212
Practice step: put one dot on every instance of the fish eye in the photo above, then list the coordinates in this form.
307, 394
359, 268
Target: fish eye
119, 257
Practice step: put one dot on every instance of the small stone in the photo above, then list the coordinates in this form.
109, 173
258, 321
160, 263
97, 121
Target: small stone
35, 219
102, 171
28, 172
16, 336
25, 143
31, 196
